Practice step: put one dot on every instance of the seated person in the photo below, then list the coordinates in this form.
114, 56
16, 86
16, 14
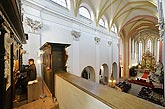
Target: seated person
31, 71
31, 75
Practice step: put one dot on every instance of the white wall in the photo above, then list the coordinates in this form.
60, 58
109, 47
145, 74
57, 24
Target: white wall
74, 98
57, 26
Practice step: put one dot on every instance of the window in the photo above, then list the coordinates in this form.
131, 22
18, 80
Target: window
114, 29
102, 22
140, 51
149, 45
83, 11
61, 2
158, 43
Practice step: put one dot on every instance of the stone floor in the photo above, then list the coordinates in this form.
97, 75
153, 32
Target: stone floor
44, 102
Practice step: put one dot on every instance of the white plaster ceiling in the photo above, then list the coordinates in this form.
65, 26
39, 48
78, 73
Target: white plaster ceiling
130, 16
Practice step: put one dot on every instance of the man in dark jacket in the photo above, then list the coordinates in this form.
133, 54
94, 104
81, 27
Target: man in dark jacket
31, 71
31, 75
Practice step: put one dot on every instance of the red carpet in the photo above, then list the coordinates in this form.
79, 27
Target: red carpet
145, 75
141, 83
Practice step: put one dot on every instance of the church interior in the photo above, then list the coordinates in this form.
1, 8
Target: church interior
108, 54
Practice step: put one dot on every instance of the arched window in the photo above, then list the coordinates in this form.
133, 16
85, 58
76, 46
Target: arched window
114, 29
61, 2
140, 51
83, 11
102, 22
158, 43
149, 45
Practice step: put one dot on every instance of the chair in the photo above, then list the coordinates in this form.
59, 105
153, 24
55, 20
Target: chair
33, 90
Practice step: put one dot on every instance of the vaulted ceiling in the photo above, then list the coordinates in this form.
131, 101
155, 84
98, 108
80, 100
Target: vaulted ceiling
131, 17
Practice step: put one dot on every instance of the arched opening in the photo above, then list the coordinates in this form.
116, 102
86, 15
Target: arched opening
88, 73
114, 70
103, 22
61, 3
103, 74
86, 11
83, 11
114, 28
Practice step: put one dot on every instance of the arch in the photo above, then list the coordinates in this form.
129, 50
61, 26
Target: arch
103, 22
68, 4
86, 6
83, 11
114, 28
104, 74
63, 3
88, 73
114, 70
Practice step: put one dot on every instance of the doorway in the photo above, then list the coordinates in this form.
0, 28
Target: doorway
114, 70
88, 73
103, 74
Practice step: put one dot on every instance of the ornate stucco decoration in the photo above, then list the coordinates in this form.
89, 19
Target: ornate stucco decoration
97, 40
33, 24
109, 43
76, 35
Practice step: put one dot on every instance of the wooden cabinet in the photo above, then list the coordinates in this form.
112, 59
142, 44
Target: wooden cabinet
54, 59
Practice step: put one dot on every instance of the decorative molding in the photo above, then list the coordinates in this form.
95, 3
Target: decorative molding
109, 43
9, 40
160, 19
34, 24
97, 40
62, 16
76, 35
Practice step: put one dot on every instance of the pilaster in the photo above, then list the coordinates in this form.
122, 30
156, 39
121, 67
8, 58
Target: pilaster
75, 44
126, 57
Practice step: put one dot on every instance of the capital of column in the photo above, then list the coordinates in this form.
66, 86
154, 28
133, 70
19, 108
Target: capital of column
109, 43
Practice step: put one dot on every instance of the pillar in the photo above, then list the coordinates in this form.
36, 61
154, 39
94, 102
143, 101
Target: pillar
163, 58
160, 50
126, 57
133, 49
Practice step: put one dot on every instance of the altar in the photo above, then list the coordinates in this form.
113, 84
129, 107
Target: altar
146, 68
148, 62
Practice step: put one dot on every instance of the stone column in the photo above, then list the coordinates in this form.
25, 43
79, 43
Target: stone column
163, 58
126, 57
160, 50
97, 45
133, 49
110, 57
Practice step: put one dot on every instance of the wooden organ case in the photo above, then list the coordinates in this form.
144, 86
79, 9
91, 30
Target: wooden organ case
53, 61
